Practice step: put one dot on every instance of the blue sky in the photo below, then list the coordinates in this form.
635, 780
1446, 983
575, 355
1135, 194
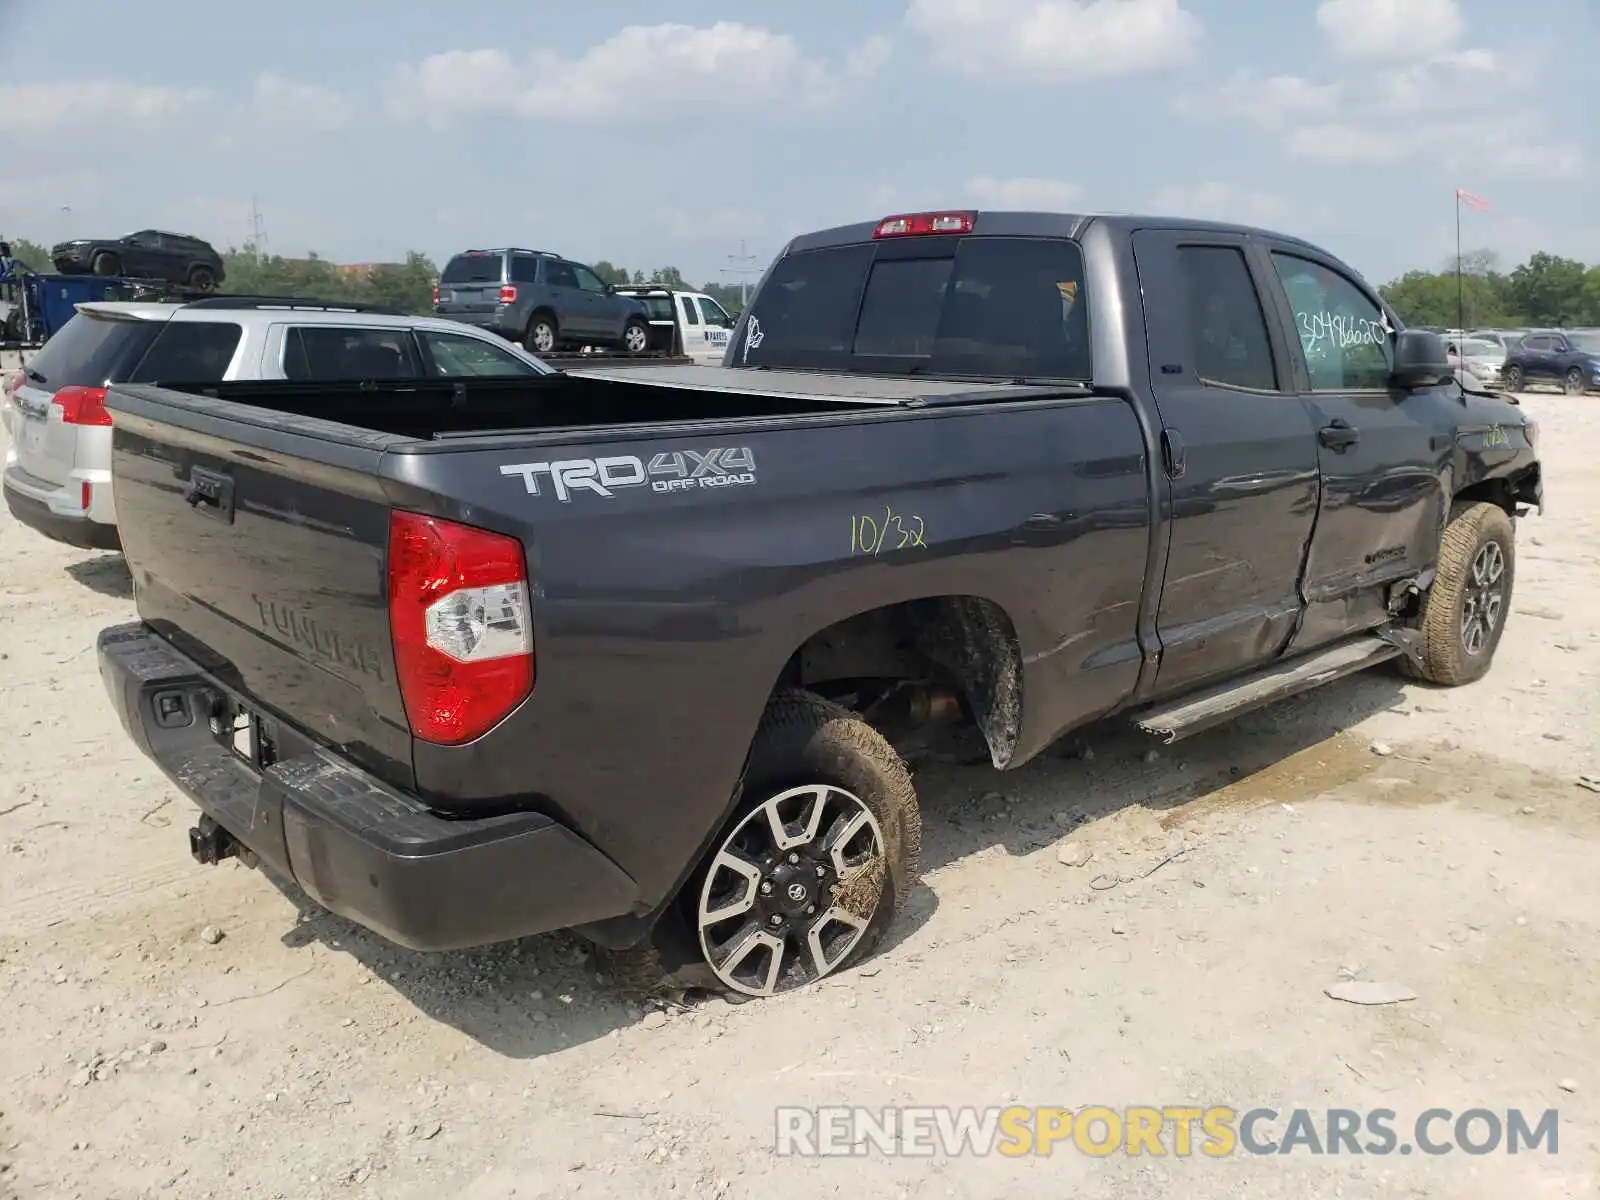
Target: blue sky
653, 133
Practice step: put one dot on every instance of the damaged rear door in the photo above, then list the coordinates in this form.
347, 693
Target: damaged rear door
1239, 457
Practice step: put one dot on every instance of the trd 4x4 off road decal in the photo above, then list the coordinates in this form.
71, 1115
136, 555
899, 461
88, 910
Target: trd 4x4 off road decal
670, 471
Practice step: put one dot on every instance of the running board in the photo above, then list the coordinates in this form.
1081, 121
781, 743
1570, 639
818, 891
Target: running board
1198, 711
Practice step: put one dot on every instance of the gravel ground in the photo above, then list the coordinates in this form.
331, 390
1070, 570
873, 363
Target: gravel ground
187, 1032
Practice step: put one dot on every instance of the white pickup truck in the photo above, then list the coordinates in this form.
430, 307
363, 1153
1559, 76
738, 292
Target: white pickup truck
690, 323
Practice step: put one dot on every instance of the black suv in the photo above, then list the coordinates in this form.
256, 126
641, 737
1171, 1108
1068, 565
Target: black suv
149, 254
540, 299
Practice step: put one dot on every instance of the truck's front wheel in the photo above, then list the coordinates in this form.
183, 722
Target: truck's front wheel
820, 857
1464, 612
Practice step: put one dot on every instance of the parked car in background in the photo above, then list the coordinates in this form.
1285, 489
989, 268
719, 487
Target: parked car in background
690, 323
1568, 357
1479, 357
541, 300
57, 473
149, 254
1507, 339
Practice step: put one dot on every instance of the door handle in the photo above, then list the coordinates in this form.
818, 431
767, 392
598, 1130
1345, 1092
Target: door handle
1338, 434
210, 495
1172, 452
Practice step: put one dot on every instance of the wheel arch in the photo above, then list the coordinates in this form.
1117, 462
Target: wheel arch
969, 641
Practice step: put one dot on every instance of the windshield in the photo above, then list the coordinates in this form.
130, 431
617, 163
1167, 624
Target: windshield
985, 306
473, 268
1588, 341
1481, 348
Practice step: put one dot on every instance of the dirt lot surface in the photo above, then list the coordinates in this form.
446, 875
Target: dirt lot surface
298, 1056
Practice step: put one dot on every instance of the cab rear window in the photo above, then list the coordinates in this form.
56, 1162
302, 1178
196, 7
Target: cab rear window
981, 306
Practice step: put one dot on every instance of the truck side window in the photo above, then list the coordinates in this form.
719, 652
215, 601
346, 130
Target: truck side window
588, 280
1346, 336
1227, 326
715, 316
691, 314
559, 274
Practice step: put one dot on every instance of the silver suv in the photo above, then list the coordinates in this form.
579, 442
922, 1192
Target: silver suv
57, 476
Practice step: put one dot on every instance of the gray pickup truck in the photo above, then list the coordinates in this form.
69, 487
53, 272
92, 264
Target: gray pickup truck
629, 653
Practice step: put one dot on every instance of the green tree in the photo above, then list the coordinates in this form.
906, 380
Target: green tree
34, 256
1550, 290
611, 273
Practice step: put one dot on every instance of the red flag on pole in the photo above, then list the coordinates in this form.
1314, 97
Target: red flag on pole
1476, 203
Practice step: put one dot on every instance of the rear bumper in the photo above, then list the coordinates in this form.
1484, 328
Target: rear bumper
357, 846
502, 322
75, 527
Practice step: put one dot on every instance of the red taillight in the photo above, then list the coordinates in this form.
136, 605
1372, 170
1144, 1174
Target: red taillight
436, 295
86, 496
508, 294
462, 626
917, 224
82, 406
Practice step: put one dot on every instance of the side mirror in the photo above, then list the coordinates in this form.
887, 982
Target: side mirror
1420, 360
611, 289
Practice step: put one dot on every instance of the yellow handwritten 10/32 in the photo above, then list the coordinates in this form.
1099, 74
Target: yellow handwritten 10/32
872, 535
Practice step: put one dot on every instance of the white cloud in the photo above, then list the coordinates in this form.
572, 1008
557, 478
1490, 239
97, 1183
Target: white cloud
1023, 194
1272, 102
641, 72
1463, 110
1390, 29
1499, 147
1056, 41
42, 108
1222, 202
291, 104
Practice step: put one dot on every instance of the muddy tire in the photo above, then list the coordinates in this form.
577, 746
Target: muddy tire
1464, 612
766, 913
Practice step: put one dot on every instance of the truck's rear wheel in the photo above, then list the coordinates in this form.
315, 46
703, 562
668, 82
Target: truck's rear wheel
820, 858
1464, 612
812, 870
106, 264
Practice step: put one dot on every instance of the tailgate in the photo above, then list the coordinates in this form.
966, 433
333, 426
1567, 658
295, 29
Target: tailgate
259, 551
45, 447
468, 298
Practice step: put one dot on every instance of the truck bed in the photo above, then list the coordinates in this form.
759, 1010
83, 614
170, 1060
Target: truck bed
679, 542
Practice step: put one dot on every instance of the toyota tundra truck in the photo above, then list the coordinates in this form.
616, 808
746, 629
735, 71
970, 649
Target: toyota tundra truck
629, 653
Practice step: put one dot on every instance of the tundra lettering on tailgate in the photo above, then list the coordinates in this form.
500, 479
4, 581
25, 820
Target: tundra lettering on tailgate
670, 471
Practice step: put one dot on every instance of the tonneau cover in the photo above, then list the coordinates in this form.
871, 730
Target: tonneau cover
815, 385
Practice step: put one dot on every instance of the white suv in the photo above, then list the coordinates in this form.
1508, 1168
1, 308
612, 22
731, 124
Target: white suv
57, 475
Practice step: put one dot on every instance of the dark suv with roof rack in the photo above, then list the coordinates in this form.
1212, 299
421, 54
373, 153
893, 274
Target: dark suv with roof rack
540, 299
